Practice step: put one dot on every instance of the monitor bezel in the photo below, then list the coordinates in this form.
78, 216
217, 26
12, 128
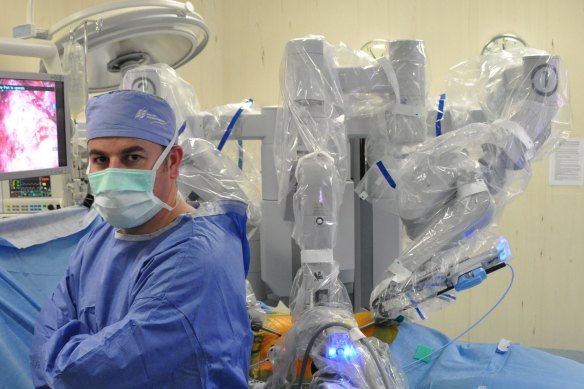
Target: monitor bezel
66, 169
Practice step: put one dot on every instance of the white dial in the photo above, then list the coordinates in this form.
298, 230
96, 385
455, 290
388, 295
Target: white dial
376, 48
544, 80
503, 42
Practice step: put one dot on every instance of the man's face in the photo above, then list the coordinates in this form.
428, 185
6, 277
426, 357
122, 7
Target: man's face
133, 153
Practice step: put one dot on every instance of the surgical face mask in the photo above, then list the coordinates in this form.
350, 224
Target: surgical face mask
125, 197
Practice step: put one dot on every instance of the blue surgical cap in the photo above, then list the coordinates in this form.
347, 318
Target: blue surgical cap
130, 114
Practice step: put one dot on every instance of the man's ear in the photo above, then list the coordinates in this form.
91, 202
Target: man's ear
174, 160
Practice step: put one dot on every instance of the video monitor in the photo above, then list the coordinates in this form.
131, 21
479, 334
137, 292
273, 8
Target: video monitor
34, 125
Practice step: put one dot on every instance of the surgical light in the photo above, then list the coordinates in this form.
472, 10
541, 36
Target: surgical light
125, 34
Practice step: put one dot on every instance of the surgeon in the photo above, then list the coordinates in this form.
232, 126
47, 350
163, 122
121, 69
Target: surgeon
153, 297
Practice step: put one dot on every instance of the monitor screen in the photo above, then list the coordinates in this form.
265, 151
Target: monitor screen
34, 125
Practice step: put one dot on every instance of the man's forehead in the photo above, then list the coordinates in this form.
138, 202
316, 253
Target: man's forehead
118, 144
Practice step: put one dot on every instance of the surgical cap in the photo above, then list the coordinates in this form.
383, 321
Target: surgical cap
130, 114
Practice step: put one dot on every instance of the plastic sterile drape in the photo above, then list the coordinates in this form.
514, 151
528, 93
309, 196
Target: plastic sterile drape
450, 189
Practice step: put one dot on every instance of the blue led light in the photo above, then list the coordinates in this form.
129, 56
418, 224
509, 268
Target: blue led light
349, 351
503, 249
340, 345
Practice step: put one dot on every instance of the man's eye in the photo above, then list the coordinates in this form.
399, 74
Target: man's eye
99, 160
134, 157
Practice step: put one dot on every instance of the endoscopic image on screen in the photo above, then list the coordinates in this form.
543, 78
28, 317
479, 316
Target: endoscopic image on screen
28, 125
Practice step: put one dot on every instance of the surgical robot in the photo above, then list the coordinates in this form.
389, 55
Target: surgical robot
447, 190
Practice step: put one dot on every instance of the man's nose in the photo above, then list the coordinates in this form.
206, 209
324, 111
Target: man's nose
116, 163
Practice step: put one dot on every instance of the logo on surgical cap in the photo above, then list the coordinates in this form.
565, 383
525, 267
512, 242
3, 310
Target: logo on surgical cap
144, 114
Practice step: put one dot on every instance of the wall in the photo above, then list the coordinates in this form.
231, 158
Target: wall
544, 225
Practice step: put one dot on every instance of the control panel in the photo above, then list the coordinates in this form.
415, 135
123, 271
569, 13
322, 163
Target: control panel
32, 195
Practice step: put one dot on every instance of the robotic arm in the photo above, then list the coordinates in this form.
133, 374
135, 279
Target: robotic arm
450, 189
312, 163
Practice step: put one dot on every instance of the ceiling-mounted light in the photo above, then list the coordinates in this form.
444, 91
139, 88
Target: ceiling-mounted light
125, 34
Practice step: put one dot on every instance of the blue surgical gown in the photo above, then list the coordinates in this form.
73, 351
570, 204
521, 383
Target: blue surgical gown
165, 310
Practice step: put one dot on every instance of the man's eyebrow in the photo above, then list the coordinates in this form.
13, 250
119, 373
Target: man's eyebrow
133, 149
96, 152
127, 150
